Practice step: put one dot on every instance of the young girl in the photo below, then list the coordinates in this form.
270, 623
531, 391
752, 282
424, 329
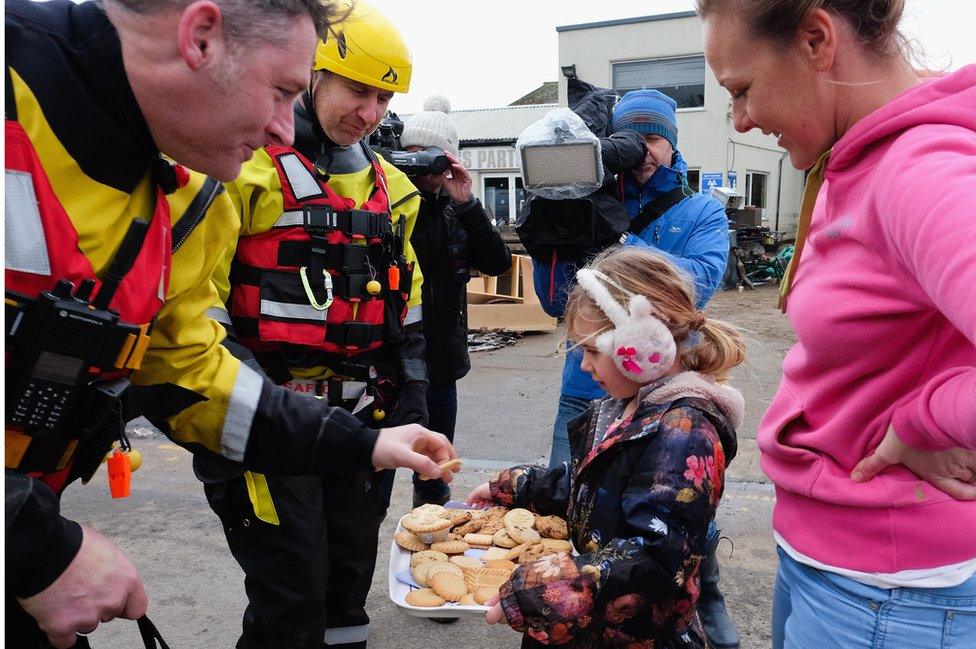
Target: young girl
647, 466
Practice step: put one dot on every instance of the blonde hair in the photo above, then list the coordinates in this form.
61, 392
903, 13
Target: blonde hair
717, 347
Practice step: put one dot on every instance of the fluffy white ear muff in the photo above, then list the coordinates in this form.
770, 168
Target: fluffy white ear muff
641, 346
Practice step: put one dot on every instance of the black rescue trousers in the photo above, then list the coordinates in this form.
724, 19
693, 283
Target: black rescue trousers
306, 577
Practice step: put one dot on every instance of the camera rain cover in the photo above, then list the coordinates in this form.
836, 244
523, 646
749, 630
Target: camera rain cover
559, 157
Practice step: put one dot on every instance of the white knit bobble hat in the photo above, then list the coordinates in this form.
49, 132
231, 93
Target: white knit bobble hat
432, 127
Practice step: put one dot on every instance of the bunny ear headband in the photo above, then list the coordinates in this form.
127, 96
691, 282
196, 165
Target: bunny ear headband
641, 346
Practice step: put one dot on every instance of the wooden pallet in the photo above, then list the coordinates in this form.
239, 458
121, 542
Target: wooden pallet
508, 301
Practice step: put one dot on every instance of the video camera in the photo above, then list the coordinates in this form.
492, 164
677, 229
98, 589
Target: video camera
386, 141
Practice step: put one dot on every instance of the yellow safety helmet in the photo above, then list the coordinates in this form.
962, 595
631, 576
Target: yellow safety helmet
366, 47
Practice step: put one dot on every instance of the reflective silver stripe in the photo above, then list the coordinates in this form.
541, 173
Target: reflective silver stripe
353, 389
294, 311
240, 413
414, 314
303, 183
25, 248
218, 314
346, 634
289, 219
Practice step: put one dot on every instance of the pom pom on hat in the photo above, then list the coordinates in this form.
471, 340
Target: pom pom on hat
432, 127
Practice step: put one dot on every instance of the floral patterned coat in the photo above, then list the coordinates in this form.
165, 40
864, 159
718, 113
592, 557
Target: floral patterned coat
639, 505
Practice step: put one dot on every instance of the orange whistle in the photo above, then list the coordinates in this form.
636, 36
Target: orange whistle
119, 474
393, 275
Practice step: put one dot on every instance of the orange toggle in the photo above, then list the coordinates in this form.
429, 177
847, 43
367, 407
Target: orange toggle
119, 474
393, 275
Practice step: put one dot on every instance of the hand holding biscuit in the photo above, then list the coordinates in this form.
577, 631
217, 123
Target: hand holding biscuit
414, 447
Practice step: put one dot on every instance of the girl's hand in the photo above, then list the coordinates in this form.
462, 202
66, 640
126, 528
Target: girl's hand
952, 471
480, 496
494, 614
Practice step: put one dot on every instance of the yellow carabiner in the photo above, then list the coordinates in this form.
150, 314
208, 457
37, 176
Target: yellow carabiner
327, 282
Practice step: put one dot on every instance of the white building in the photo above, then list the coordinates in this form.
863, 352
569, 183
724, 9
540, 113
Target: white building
662, 52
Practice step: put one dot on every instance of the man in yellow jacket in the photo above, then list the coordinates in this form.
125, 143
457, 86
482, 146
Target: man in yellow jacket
96, 95
323, 293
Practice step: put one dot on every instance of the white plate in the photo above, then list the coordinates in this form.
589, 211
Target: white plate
400, 561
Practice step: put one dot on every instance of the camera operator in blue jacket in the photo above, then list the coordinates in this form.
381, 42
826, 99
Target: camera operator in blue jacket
691, 229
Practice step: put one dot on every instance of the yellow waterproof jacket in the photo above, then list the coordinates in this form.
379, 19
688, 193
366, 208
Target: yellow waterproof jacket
67, 81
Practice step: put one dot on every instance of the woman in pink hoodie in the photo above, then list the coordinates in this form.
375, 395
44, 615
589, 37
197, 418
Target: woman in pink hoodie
870, 438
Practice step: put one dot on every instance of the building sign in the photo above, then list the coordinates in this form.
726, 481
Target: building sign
478, 159
709, 181
733, 179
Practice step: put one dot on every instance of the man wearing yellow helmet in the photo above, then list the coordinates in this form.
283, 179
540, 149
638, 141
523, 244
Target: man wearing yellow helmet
323, 292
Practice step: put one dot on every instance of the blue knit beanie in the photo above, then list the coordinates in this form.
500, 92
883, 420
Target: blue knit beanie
648, 112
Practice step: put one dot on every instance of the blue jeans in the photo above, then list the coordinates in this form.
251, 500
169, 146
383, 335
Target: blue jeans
442, 408
569, 409
814, 608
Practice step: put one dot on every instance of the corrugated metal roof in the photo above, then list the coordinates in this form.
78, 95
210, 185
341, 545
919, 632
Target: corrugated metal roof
496, 124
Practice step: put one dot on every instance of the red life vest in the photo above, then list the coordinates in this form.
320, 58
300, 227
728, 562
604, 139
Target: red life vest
321, 248
42, 248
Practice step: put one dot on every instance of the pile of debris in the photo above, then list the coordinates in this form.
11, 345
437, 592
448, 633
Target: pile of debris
486, 340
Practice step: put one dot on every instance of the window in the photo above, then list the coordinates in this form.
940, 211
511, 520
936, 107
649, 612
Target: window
756, 182
503, 196
694, 179
682, 79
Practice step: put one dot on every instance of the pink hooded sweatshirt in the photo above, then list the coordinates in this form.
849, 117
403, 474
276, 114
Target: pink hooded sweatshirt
884, 307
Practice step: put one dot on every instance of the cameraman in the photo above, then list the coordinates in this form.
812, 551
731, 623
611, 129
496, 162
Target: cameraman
692, 231
453, 233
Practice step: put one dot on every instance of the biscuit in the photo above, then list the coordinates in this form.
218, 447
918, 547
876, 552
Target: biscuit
427, 555
487, 577
450, 547
533, 553
516, 552
470, 526
448, 585
466, 563
491, 554
427, 528
492, 523
478, 540
468, 600
521, 534
452, 466
419, 572
519, 517
552, 527
557, 545
503, 540
501, 564
484, 593
424, 597
434, 567
458, 516
429, 508
409, 541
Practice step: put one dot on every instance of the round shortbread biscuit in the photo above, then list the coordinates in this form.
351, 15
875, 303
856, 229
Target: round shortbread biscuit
424, 597
427, 555
503, 540
466, 563
482, 540
450, 547
425, 523
448, 585
494, 553
409, 541
522, 534
434, 567
468, 600
519, 517
484, 593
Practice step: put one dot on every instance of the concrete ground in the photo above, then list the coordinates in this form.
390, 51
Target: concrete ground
507, 405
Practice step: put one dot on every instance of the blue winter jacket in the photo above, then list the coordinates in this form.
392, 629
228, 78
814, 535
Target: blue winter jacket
694, 234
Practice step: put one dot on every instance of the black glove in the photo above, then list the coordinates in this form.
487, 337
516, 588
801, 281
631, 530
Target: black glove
411, 407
